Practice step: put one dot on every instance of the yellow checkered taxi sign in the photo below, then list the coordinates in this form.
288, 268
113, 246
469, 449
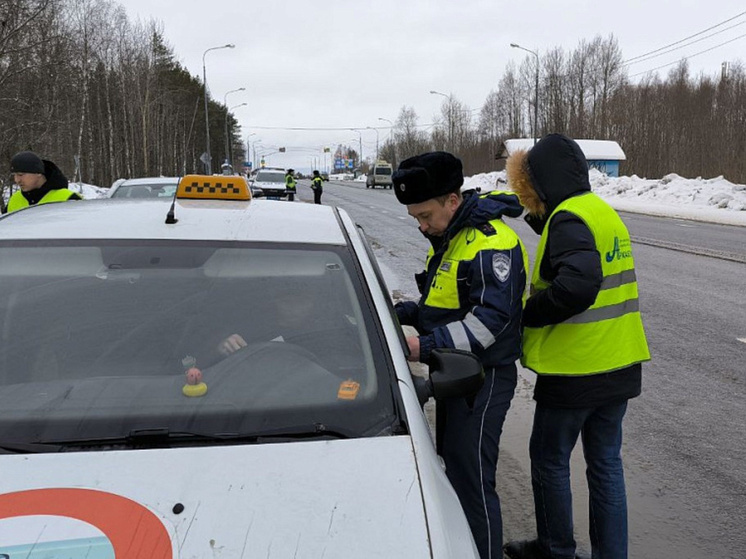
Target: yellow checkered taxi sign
213, 187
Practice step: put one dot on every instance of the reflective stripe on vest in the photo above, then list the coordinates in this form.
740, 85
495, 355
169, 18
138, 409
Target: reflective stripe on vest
18, 201
443, 289
608, 335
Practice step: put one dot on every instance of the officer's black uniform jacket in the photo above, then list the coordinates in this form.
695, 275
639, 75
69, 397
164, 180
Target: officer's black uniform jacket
543, 179
495, 304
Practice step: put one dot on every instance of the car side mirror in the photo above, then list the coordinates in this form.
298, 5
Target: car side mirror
454, 373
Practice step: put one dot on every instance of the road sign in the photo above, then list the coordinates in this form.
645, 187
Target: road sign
205, 158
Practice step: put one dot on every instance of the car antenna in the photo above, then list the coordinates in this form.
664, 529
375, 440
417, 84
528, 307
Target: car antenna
170, 216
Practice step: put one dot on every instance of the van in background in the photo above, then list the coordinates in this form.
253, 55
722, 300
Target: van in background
380, 175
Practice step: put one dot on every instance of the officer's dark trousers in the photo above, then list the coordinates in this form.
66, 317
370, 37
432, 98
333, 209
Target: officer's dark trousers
317, 197
291, 195
468, 440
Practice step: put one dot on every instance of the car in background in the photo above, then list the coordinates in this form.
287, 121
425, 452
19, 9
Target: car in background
271, 182
145, 187
324, 176
134, 430
380, 175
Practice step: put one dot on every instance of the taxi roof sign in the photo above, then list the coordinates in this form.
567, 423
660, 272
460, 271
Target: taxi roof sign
213, 187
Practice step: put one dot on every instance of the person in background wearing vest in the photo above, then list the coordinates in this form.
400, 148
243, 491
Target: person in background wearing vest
41, 182
317, 185
290, 184
471, 299
584, 338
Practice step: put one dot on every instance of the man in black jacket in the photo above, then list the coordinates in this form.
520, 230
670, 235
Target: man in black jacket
583, 336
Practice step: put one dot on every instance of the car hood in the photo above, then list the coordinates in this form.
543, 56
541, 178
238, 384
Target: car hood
358, 497
269, 184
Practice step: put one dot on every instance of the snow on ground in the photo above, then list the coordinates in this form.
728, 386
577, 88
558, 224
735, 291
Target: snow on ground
88, 191
714, 200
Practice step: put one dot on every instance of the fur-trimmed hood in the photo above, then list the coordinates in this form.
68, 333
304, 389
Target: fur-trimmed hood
552, 171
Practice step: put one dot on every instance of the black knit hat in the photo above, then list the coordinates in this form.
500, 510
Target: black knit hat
426, 176
26, 162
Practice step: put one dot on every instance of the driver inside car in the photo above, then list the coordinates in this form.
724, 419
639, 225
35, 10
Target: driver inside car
300, 319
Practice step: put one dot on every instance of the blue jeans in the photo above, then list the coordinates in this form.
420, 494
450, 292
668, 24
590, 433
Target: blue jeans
554, 435
470, 434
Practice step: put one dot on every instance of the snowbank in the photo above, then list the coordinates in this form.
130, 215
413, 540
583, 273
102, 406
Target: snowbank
714, 200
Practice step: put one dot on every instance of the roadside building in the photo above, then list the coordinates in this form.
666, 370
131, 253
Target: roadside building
603, 155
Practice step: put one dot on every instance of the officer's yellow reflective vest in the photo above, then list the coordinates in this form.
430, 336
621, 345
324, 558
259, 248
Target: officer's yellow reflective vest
608, 336
443, 291
289, 182
18, 201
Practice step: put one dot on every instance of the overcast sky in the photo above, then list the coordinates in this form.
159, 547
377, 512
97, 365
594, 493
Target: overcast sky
347, 63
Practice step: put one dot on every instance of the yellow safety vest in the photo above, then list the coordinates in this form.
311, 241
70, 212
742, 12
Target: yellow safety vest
608, 335
443, 290
18, 201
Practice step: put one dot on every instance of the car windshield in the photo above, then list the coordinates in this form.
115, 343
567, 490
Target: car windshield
145, 191
98, 340
383, 170
270, 177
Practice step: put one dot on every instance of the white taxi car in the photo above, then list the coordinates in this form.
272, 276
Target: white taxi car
216, 377
271, 183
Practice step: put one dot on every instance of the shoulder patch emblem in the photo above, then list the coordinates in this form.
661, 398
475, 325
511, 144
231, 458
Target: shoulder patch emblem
501, 266
487, 229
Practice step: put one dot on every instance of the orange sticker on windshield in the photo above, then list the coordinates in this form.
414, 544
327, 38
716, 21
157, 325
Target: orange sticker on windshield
348, 390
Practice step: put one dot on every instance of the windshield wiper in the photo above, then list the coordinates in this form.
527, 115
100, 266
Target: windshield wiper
27, 448
150, 438
137, 438
307, 431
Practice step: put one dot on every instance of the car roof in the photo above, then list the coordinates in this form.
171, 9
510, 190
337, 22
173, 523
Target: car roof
149, 180
210, 220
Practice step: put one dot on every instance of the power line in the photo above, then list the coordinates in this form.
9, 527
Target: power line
683, 46
688, 57
684, 39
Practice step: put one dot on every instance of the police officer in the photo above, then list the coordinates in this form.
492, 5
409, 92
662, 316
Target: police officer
41, 182
584, 338
290, 184
317, 185
471, 299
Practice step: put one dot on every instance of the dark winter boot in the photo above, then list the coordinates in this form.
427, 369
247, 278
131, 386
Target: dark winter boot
530, 549
524, 549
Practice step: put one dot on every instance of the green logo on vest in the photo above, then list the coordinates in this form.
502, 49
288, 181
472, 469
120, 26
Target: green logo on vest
622, 249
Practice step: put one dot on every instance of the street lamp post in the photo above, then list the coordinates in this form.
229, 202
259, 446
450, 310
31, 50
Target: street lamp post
248, 146
229, 154
254, 143
376, 129
536, 93
450, 117
393, 140
360, 155
227, 110
208, 163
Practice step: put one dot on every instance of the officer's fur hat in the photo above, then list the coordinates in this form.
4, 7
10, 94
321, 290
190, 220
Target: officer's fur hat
426, 176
